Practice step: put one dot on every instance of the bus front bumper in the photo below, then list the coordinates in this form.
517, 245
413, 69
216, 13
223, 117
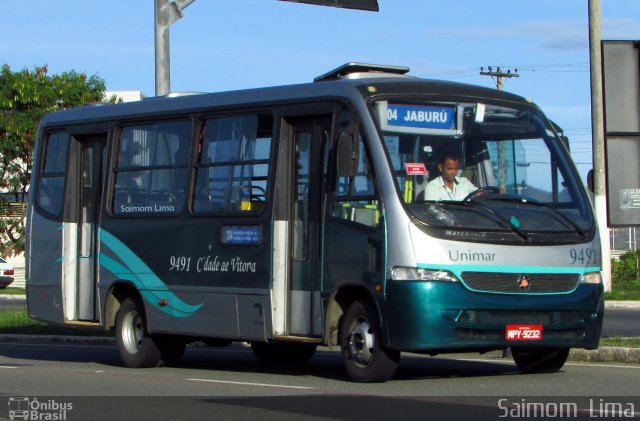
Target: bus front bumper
437, 317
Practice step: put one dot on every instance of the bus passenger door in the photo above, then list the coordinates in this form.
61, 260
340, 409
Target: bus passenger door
310, 136
80, 236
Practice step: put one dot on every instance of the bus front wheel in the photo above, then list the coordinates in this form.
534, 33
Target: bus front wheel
136, 346
538, 360
363, 355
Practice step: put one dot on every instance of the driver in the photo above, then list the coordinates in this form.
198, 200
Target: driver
448, 186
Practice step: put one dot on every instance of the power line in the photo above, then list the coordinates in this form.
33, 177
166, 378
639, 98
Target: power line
553, 68
453, 72
556, 68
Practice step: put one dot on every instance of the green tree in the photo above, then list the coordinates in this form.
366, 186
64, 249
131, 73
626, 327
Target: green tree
25, 97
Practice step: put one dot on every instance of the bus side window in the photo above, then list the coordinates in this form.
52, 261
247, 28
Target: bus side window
51, 178
233, 164
355, 197
151, 170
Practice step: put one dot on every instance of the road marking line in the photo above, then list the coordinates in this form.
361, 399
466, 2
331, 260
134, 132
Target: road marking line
251, 384
7, 366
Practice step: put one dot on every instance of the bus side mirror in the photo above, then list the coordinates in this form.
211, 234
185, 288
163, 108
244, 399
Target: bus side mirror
348, 154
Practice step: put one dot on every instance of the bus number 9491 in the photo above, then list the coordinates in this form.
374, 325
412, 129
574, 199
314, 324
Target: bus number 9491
180, 263
584, 256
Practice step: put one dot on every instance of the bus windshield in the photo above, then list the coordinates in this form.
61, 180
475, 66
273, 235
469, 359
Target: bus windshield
483, 167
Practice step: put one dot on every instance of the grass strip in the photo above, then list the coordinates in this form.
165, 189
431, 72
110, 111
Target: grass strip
18, 322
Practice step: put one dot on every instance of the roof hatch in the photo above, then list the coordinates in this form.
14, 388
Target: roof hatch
361, 70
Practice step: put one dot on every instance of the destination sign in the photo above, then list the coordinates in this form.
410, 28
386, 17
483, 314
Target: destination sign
421, 116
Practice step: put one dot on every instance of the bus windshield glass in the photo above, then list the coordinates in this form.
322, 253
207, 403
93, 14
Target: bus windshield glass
483, 167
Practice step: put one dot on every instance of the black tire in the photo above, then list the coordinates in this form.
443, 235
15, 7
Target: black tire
539, 360
283, 353
136, 347
363, 355
171, 348
217, 342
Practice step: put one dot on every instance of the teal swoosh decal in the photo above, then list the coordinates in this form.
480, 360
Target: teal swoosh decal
135, 270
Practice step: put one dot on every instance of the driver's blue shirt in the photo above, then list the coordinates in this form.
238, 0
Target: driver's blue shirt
437, 190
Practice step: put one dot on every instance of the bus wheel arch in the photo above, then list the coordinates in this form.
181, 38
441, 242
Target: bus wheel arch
338, 304
364, 355
137, 346
116, 295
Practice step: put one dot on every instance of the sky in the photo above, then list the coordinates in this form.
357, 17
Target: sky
237, 44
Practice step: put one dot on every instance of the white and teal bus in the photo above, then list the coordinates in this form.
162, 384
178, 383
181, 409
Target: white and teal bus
296, 216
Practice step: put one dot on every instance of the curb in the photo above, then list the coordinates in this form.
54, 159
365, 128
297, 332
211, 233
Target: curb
606, 354
621, 304
57, 339
13, 298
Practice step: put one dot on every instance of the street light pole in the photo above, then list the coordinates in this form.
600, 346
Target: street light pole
163, 65
166, 13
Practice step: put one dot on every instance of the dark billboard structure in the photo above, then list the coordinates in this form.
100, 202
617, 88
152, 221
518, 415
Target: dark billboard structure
621, 85
370, 5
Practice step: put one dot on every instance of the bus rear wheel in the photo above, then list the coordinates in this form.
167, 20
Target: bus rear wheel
171, 348
136, 346
539, 360
217, 342
283, 353
363, 355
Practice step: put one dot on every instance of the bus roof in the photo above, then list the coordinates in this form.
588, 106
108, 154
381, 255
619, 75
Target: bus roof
325, 88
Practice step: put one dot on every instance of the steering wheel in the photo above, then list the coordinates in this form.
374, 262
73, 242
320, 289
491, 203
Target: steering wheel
480, 191
260, 196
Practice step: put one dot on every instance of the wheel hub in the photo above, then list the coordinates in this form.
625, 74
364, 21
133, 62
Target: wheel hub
361, 343
132, 333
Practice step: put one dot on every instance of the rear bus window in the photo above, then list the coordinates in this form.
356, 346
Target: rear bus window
51, 180
233, 164
151, 168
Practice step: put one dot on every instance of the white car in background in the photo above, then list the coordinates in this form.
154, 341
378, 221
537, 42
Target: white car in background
6, 273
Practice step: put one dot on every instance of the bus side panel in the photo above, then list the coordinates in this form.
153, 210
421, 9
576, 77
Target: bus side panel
191, 280
44, 280
222, 315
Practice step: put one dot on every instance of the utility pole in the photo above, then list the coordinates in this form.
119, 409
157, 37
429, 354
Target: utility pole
597, 131
499, 74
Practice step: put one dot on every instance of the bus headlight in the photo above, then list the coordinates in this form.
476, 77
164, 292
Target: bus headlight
591, 278
417, 274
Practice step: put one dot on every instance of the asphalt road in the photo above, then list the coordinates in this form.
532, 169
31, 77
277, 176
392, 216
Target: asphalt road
621, 322
229, 383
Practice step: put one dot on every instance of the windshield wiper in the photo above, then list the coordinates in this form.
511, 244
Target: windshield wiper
556, 212
501, 218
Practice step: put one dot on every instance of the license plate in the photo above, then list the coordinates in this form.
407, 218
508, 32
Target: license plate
523, 333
